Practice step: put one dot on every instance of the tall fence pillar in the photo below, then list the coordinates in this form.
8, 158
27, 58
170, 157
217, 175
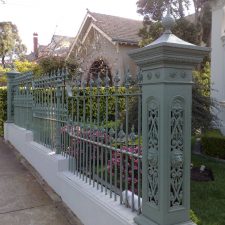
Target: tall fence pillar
10, 108
166, 66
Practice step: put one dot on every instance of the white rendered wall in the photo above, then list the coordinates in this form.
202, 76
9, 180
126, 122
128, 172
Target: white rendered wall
218, 60
90, 205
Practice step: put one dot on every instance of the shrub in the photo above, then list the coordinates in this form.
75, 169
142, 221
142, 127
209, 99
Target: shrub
102, 103
214, 144
132, 159
3, 108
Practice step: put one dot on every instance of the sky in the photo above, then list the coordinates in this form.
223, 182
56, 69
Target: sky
48, 17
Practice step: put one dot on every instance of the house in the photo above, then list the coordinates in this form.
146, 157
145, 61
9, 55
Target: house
217, 60
59, 47
102, 44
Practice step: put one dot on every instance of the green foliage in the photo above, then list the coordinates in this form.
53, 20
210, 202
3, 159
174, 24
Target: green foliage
202, 104
207, 198
186, 30
3, 108
10, 43
102, 104
53, 63
214, 144
183, 29
196, 30
193, 141
20, 66
25, 66
194, 218
154, 9
3, 78
149, 33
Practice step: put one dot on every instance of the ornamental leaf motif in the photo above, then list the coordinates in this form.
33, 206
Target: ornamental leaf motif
177, 148
153, 148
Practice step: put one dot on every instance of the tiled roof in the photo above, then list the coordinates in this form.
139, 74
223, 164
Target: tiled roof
59, 46
118, 28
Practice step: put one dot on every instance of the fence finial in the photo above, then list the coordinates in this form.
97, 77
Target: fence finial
128, 78
107, 79
168, 21
117, 79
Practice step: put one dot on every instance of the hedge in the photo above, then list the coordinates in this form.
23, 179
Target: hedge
3, 108
102, 114
214, 144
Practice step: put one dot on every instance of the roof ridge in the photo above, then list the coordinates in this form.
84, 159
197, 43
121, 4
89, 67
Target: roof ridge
103, 14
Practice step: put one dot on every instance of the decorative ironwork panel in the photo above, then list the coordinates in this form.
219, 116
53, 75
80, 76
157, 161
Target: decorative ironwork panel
22, 100
177, 148
153, 152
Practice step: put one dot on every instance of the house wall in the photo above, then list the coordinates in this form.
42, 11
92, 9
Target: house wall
218, 60
96, 46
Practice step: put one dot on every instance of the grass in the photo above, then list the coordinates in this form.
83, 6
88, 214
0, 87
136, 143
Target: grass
208, 198
214, 133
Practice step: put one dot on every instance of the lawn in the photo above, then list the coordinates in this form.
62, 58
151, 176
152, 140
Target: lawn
208, 198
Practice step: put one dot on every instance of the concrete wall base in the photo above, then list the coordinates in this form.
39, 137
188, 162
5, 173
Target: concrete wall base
92, 206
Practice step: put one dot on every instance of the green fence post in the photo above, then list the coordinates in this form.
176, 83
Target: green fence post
58, 113
166, 66
10, 108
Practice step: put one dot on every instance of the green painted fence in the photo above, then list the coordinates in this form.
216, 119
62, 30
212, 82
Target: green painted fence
87, 123
146, 165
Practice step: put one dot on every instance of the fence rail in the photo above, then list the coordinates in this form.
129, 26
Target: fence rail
95, 125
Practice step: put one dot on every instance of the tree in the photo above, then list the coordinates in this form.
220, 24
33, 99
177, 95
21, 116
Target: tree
23, 66
153, 10
202, 104
50, 64
10, 42
197, 31
183, 29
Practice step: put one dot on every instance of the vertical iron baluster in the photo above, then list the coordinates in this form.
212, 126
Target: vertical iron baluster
116, 81
101, 133
107, 80
90, 134
84, 133
99, 81
132, 139
94, 148
80, 148
39, 114
127, 85
111, 134
139, 80
78, 125
87, 151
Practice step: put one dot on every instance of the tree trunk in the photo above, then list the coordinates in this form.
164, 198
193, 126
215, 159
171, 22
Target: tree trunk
196, 11
3, 61
181, 8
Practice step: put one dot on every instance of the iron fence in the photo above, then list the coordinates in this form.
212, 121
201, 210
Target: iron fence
95, 125
22, 101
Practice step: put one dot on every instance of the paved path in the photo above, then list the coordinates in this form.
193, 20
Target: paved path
22, 199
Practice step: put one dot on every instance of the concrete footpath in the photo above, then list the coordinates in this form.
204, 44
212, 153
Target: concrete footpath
26, 199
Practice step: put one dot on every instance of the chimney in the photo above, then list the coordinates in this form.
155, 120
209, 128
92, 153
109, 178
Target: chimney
35, 42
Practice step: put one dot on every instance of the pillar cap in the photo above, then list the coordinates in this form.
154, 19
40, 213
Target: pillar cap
12, 73
168, 23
